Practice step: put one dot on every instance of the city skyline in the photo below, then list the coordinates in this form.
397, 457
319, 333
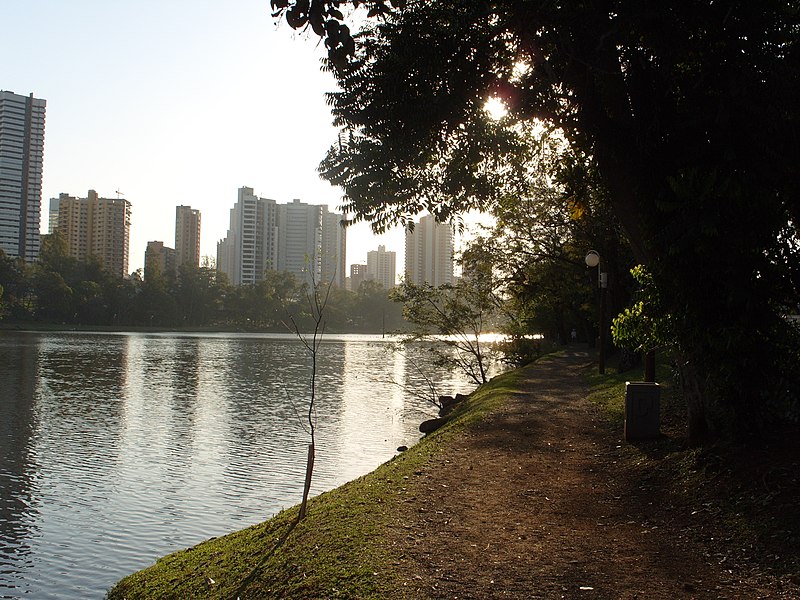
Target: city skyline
179, 103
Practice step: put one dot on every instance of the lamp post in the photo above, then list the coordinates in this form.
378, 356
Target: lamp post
593, 260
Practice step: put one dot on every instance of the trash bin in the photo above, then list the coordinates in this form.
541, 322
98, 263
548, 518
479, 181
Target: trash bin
642, 410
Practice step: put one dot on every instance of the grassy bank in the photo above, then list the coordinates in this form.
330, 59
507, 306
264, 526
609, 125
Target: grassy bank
741, 502
338, 551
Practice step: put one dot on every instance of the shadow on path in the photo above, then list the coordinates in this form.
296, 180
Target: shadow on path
534, 502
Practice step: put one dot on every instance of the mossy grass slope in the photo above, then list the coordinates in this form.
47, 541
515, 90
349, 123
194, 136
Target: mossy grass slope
337, 551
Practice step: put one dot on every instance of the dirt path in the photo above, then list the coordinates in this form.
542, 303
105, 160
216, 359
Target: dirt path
534, 503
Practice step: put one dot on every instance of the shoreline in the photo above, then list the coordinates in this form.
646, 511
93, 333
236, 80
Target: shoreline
466, 513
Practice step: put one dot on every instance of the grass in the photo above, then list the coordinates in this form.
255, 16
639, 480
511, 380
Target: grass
337, 551
746, 500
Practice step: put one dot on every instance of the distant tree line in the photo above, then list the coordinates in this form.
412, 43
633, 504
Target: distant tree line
62, 290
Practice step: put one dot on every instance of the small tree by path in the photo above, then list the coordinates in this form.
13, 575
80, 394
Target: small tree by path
317, 301
317, 298
646, 326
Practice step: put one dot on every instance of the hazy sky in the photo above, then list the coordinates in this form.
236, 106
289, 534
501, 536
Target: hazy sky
175, 102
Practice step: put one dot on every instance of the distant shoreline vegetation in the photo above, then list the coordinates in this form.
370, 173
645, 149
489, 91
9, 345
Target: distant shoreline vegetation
60, 292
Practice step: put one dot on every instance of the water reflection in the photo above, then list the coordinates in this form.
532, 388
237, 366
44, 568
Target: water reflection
118, 448
18, 508
373, 408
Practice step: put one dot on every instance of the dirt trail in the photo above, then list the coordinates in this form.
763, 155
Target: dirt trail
536, 503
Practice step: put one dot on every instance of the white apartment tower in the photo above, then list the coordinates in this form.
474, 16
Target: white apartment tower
299, 238
334, 248
187, 236
311, 243
381, 267
429, 253
250, 247
21, 159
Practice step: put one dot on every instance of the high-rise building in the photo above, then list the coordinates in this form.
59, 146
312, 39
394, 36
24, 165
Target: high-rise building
21, 158
187, 236
429, 252
381, 267
311, 243
358, 273
334, 248
250, 246
159, 258
52, 217
98, 227
299, 238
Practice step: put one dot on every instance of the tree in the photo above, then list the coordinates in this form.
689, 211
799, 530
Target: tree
154, 304
317, 298
54, 298
374, 311
688, 112
197, 295
15, 282
539, 241
455, 316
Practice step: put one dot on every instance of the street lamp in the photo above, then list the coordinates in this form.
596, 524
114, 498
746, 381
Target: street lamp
593, 260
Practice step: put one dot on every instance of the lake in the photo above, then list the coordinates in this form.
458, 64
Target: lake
116, 449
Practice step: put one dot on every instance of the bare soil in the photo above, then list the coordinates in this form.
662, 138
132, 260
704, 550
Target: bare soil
543, 499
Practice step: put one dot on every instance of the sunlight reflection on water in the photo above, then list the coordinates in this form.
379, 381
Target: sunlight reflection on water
118, 448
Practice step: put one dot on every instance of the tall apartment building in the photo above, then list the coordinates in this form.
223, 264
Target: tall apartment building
300, 240
52, 217
358, 273
98, 227
381, 267
187, 236
303, 239
429, 253
311, 243
250, 246
159, 258
21, 159
334, 248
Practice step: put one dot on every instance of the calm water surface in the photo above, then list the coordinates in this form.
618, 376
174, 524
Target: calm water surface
116, 449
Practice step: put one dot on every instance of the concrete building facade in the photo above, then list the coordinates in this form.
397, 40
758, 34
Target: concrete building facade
429, 253
381, 267
303, 239
250, 246
159, 258
187, 236
358, 273
21, 166
98, 227
334, 248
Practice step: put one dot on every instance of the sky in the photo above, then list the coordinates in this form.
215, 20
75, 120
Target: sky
172, 102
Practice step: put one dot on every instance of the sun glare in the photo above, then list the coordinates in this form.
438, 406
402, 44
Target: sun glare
495, 108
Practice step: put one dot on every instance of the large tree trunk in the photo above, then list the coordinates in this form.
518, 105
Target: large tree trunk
697, 425
650, 366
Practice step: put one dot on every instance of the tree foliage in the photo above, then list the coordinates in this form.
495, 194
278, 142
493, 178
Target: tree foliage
688, 113
455, 316
61, 290
644, 325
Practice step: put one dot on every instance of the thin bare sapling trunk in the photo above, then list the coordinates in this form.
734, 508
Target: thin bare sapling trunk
317, 303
